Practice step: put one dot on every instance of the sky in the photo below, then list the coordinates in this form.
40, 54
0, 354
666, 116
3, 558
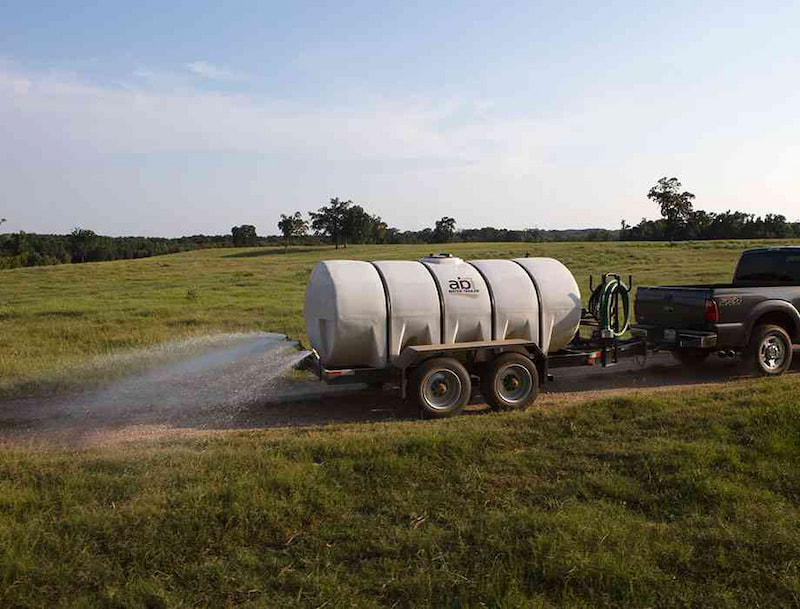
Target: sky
178, 118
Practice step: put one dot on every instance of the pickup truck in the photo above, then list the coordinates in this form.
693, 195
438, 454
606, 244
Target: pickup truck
756, 317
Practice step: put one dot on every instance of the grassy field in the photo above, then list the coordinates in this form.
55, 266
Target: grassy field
52, 318
659, 500
656, 499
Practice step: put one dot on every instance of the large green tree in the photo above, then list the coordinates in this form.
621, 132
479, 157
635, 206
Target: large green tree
444, 230
357, 226
291, 226
330, 221
82, 241
244, 235
676, 206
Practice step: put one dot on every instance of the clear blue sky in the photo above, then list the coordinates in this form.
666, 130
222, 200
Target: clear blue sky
169, 118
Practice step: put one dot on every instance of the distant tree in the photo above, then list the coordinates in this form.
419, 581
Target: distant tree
444, 230
82, 241
533, 234
623, 230
675, 206
776, 227
292, 226
599, 234
701, 225
357, 225
2, 221
244, 235
18, 244
330, 220
379, 229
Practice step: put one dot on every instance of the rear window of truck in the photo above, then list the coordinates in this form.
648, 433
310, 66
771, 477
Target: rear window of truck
769, 267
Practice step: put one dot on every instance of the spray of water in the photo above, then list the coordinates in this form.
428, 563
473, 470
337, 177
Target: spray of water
210, 382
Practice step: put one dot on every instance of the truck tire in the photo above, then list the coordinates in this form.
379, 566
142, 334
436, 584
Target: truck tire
511, 382
769, 352
691, 358
442, 387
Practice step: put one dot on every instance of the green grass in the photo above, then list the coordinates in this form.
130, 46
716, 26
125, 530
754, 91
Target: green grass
689, 499
52, 318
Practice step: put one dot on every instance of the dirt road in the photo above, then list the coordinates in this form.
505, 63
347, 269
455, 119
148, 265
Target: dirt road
242, 383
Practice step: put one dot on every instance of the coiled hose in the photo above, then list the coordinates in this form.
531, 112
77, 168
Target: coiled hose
604, 306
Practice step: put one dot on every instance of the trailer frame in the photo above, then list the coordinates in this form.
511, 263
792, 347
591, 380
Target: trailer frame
603, 352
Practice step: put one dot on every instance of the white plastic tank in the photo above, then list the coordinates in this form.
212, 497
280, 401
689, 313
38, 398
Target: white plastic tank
363, 314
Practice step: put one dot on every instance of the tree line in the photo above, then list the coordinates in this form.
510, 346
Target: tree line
82, 245
342, 222
680, 221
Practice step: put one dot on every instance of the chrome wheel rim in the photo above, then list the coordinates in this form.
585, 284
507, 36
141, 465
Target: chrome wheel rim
441, 389
513, 383
772, 353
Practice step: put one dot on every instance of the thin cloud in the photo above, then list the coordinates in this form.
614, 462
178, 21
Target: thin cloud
142, 73
212, 72
83, 118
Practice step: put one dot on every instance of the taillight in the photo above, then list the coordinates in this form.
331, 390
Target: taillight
712, 311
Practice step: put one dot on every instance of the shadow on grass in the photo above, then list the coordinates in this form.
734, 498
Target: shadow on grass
274, 251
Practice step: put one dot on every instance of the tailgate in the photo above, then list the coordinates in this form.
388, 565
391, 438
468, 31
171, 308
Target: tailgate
671, 307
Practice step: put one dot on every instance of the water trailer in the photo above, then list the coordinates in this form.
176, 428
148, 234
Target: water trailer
437, 326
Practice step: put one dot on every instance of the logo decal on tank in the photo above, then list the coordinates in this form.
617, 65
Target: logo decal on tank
462, 285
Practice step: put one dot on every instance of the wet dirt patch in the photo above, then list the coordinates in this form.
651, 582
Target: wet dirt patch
213, 384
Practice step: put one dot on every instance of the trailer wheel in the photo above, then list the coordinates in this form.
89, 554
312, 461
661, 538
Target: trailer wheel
442, 387
511, 382
769, 352
691, 357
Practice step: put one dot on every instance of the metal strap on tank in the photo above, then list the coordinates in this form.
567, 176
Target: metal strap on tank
538, 300
442, 309
388, 314
491, 298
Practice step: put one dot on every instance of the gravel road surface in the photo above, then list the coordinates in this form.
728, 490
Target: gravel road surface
244, 382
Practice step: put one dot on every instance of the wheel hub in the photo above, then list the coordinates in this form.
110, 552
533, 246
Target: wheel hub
439, 389
773, 353
514, 383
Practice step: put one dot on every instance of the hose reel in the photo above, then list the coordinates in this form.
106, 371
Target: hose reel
610, 305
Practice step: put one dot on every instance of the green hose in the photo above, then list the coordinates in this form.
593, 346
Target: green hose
604, 306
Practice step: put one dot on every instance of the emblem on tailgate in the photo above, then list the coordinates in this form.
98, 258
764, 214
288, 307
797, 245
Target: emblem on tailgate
669, 309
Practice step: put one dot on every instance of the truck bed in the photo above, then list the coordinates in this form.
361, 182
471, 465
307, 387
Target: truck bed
668, 312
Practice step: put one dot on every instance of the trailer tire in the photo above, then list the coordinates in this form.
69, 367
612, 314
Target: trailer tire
511, 382
690, 357
769, 352
442, 387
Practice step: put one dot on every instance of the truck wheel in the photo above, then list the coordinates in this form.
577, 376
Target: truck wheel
442, 386
691, 357
511, 382
769, 352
